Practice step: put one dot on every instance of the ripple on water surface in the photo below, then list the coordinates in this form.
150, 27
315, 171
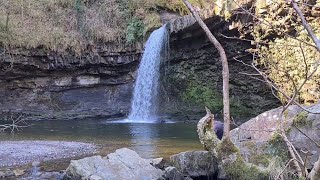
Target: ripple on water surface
148, 139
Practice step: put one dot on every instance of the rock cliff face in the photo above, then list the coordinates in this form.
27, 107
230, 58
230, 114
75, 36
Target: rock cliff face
44, 85
47, 85
192, 76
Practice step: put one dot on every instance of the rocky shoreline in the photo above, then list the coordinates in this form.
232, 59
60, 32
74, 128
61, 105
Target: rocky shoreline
248, 155
14, 153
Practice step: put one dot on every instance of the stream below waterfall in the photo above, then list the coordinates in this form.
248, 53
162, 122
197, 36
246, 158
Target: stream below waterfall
148, 140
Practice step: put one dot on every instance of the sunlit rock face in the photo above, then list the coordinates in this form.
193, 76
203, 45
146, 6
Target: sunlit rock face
122, 164
255, 138
48, 85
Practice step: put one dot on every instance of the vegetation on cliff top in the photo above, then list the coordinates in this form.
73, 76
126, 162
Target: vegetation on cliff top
61, 25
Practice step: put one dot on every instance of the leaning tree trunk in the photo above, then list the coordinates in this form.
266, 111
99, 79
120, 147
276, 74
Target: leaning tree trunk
225, 68
205, 129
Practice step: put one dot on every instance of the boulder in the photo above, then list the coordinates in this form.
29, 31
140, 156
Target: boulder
123, 164
253, 137
310, 125
171, 173
195, 163
157, 162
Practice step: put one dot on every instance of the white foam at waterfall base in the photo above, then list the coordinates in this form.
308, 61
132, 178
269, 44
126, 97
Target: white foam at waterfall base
145, 97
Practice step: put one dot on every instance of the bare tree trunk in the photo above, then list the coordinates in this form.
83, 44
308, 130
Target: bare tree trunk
225, 68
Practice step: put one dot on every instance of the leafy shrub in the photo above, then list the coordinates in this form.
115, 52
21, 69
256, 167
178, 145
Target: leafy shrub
135, 30
285, 53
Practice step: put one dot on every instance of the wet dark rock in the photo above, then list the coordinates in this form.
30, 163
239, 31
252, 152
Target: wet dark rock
6, 174
171, 173
195, 63
45, 85
195, 163
158, 163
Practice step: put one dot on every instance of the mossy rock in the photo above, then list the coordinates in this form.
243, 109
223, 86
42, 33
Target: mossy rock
234, 165
277, 147
301, 120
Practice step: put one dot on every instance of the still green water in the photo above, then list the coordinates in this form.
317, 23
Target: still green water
148, 140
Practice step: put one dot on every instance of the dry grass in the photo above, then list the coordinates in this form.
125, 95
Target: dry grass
59, 24
72, 25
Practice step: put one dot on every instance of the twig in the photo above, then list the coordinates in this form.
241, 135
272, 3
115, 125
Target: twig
318, 145
285, 167
306, 24
270, 25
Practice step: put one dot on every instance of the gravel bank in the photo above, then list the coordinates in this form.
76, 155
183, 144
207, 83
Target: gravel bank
13, 153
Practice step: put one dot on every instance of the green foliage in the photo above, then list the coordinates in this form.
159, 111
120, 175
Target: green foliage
151, 21
301, 120
277, 147
226, 148
135, 30
277, 167
203, 95
79, 6
288, 59
261, 159
278, 150
140, 17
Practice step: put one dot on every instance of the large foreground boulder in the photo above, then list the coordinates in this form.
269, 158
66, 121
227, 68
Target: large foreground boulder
258, 142
123, 164
195, 163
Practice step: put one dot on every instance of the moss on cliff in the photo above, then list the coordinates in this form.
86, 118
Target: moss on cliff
203, 95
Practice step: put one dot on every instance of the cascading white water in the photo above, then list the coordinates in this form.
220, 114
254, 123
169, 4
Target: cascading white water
144, 102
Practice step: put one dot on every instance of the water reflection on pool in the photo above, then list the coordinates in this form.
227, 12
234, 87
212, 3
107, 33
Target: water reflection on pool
149, 140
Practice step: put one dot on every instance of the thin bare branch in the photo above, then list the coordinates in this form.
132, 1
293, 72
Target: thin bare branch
317, 144
306, 25
265, 22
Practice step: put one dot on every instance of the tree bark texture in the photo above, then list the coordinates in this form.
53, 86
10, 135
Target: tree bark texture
225, 68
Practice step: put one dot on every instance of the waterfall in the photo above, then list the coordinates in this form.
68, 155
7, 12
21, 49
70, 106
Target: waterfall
145, 96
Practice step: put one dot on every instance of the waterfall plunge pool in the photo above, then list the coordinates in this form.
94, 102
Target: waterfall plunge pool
149, 140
